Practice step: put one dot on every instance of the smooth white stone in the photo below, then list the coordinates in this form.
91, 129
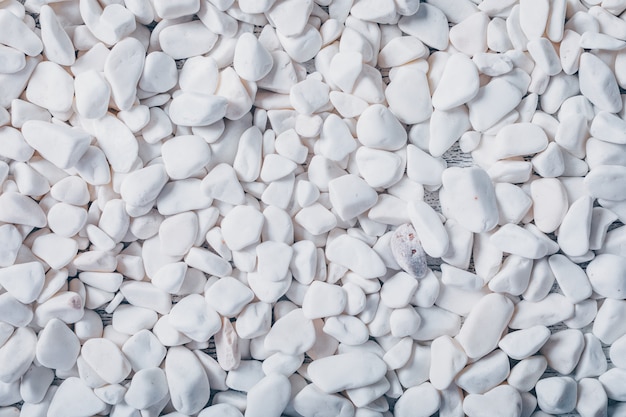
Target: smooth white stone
199, 75
460, 247
380, 169
398, 290
429, 229
302, 47
355, 255
606, 182
143, 350
422, 167
304, 261
106, 359
346, 329
422, 400
159, 73
323, 300
378, 128
242, 219
51, 87
147, 387
549, 203
187, 381
145, 294
178, 233
118, 144
316, 219
548, 311
608, 127
458, 84
401, 50
309, 96
228, 296
556, 395
527, 372
573, 234
592, 360
592, 399
408, 96
74, 398
184, 156
513, 203
611, 382
523, 343
268, 397
520, 139
336, 141
193, 109
519, 241
474, 337
598, 84
292, 334
208, 262
617, 352
62, 145
468, 197
57, 251
470, 35
346, 371
563, 350
513, 276
571, 278
17, 354
492, 102
605, 272
92, 94
245, 376
350, 196
273, 259
502, 401
17, 34
185, 40
311, 401
23, 281
484, 374
428, 24
607, 327
436, 322
35, 383
447, 359
193, 317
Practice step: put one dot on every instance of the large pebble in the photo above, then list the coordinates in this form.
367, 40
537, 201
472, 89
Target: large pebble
74, 398
23, 281
378, 128
106, 359
269, 396
355, 255
147, 387
476, 339
607, 182
598, 84
63, 145
556, 395
346, 371
501, 401
350, 195
419, 401
17, 354
408, 96
291, 334
57, 347
468, 197
187, 381
458, 83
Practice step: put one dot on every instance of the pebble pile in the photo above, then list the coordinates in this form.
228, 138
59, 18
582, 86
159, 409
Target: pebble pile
177, 165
